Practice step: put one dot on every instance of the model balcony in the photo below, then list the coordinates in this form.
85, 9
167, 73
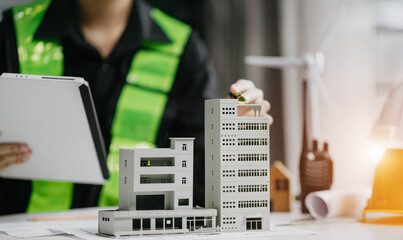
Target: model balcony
157, 179
157, 162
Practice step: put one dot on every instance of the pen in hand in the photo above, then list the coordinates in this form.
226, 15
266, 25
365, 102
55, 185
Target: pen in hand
241, 99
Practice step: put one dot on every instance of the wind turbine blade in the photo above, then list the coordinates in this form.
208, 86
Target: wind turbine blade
274, 62
317, 80
331, 29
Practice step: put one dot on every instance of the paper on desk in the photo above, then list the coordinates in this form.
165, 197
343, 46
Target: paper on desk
330, 203
87, 229
32, 229
283, 232
34, 232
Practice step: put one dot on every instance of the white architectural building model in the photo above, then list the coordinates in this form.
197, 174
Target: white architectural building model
237, 165
156, 193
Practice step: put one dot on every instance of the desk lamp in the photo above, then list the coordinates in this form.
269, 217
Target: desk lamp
387, 193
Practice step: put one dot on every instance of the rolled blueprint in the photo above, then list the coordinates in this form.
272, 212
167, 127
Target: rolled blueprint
330, 203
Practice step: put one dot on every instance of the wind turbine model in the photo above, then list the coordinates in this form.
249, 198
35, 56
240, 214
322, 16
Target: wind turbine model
312, 64
316, 168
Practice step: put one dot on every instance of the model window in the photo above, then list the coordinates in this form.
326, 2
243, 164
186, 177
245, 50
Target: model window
177, 223
168, 223
146, 224
184, 180
136, 224
183, 163
145, 163
145, 180
184, 147
183, 202
159, 224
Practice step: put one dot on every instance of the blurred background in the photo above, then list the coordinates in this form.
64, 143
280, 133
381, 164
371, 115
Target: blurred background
363, 62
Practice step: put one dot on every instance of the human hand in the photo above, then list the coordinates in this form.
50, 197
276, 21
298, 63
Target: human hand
13, 153
252, 95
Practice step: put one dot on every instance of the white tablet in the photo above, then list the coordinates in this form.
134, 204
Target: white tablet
56, 117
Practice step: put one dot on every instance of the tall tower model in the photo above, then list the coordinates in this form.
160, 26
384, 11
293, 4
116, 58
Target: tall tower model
237, 165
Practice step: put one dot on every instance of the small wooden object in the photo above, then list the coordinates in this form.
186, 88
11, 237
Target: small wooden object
280, 191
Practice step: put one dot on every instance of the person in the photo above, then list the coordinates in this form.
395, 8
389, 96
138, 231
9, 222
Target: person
149, 75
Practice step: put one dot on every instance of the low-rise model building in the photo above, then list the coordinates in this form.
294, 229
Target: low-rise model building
156, 193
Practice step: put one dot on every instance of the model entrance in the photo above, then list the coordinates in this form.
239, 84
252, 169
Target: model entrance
253, 223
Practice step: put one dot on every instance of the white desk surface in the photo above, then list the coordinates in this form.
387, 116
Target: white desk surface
344, 228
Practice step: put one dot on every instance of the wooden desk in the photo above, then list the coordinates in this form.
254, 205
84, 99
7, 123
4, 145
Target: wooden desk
343, 228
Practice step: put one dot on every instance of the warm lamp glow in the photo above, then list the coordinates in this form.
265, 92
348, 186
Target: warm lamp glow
376, 152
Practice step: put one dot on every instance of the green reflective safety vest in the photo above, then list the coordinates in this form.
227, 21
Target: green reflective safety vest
140, 106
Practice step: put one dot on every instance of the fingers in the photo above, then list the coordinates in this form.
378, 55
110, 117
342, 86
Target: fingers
245, 112
266, 106
252, 95
15, 158
270, 118
13, 153
11, 148
241, 86
248, 91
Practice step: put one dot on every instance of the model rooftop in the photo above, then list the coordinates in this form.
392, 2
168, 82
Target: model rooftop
229, 108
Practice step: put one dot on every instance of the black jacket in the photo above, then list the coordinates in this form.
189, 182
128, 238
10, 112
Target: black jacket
184, 112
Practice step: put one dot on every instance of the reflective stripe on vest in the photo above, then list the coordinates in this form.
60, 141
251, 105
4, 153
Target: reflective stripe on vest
140, 106
43, 58
142, 101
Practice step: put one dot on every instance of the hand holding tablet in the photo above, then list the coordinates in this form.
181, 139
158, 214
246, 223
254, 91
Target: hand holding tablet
50, 124
13, 153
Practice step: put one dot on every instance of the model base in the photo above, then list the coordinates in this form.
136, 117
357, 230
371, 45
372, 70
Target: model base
125, 223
